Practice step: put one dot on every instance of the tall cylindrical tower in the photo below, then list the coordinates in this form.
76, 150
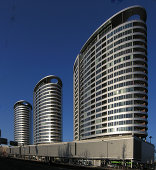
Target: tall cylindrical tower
111, 79
47, 109
22, 116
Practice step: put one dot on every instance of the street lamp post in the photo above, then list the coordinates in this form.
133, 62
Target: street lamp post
150, 138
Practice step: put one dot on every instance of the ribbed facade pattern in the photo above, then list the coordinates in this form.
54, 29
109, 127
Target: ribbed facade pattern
47, 110
22, 115
111, 79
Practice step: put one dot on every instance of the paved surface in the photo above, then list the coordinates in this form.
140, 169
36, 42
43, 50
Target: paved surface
13, 164
17, 164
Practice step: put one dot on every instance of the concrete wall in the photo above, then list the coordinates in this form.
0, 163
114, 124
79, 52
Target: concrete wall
112, 149
14, 150
3, 150
147, 155
119, 148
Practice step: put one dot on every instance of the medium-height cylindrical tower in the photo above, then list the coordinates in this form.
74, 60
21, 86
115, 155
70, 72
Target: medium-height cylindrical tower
22, 119
111, 78
47, 109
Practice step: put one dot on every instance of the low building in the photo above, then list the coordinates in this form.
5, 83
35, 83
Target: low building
129, 150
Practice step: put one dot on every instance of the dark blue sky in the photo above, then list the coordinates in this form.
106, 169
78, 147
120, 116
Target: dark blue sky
43, 37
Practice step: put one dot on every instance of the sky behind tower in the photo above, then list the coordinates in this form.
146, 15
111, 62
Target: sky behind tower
43, 37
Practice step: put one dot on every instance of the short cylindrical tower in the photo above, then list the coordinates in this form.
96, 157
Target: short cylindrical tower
22, 114
47, 110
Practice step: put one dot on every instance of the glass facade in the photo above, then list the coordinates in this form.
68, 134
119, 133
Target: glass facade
47, 110
111, 79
